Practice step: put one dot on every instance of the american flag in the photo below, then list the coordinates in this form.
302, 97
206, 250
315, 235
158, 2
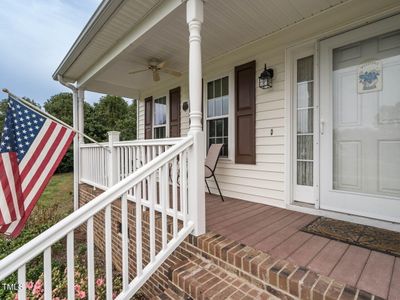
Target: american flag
31, 148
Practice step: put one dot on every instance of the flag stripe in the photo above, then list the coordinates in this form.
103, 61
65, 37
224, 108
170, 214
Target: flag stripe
8, 210
45, 162
19, 225
9, 171
17, 181
5, 217
37, 147
36, 144
29, 176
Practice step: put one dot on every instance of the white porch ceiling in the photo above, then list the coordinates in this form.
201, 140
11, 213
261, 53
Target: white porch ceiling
228, 24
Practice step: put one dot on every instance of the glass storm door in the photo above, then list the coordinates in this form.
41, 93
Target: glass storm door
360, 125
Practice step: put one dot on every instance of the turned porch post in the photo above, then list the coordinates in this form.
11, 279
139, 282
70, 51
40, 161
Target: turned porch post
194, 18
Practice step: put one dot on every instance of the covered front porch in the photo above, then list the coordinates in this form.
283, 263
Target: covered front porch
270, 161
277, 232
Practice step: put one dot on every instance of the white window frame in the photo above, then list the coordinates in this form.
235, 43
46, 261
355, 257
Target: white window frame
231, 108
296, 193
166, 117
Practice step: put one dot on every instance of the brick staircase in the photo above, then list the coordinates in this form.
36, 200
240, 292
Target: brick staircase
198, 278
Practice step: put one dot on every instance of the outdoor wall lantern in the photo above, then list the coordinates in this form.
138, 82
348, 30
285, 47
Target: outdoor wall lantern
265, 79
185, 106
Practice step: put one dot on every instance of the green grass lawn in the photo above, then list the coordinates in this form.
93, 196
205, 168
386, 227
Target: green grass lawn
55, 203
58, 193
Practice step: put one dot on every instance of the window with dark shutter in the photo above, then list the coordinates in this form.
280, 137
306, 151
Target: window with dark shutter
175, 112
148, 118
245, 113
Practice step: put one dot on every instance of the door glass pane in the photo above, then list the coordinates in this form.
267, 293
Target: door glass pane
305, 120
305, 147
305, 173
366, 116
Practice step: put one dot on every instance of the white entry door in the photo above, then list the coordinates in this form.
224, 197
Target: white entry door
360, 122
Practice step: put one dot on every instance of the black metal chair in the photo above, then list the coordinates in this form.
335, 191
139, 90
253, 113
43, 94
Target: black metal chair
211, 164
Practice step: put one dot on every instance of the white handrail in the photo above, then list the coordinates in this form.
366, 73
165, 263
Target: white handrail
152, 142
44, 241
97, 165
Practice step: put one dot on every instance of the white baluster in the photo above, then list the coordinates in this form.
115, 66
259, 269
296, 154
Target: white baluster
70, 266
90, 258
108, 245
22, 282
47, 274
174, 197
138, 197
184, 187
125, 242
152, 200
164, 201
126, 158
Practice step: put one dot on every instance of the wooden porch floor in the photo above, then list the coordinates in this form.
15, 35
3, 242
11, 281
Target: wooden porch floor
276, 231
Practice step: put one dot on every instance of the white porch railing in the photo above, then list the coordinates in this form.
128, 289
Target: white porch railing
163, 197
130, 156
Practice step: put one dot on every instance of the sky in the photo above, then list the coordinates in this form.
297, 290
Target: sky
35, 35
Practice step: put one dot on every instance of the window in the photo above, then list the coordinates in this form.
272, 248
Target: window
305, 120
160, 117
217, 113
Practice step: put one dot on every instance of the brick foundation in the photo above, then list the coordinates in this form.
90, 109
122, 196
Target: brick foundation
248, 266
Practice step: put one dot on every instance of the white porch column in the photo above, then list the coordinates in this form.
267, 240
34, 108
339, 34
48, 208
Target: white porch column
81, 118
194, 18
75, 121
113, 136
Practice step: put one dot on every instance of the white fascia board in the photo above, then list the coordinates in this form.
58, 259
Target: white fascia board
154, 17
97, 20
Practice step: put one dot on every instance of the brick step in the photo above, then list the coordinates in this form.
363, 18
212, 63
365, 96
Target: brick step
168, 294
271, 273
201, 279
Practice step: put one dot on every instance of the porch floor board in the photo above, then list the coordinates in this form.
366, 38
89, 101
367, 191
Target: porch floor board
276, 231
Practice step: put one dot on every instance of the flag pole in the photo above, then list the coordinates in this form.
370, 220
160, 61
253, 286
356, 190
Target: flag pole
45, 114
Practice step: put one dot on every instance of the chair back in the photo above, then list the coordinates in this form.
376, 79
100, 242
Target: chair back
213, 155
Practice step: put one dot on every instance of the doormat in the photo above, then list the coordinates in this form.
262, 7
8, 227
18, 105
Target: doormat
369, 237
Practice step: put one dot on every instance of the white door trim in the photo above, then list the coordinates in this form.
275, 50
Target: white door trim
291, 57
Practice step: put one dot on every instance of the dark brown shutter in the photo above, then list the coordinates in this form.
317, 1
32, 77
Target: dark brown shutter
245, 113
148, 118
175, 112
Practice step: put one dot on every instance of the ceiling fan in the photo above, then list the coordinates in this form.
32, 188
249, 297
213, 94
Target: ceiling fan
156, 67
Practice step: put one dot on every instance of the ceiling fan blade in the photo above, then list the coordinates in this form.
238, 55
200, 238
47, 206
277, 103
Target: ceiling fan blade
161, 65
138, 71
156, 75
171, 72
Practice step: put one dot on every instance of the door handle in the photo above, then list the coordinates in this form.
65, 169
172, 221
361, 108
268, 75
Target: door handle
322, 127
